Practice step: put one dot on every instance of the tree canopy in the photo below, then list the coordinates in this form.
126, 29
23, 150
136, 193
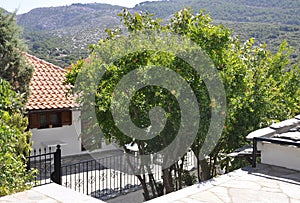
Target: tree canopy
259, 88
12, 64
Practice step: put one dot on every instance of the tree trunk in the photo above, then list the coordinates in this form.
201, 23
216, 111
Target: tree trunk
167, 180
152, 185
205, 172
176, 176
227, 165
141, 179
144, 186
198, 169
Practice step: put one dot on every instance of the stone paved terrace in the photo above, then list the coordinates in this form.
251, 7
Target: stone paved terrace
51, 193
262, 184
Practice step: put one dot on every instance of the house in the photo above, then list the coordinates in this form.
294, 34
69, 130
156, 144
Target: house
279, 144
53, 117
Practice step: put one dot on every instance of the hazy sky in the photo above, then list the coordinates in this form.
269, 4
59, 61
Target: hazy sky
23, 6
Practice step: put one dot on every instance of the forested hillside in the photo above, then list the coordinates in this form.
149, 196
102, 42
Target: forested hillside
263, 11
62, 35
267, 21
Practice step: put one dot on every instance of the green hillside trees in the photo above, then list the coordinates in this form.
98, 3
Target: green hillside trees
12, 64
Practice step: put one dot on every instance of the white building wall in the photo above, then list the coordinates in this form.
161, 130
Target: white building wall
67, 136
280, 155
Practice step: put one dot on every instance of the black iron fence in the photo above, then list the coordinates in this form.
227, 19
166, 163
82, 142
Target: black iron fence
102, 178
47, 163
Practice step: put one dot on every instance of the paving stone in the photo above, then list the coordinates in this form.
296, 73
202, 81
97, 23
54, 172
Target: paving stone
294, 201
206, 196
245, 196
273, 190
293, 191
136, 196
33, 195
190, 200
264, 184
9, 198
48, 201
242, 184
222, 193
51, 193
269, 184
28, 196
252, 178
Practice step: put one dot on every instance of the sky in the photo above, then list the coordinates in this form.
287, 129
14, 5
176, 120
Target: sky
24, 6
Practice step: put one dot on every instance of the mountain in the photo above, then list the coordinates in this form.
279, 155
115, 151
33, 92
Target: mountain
267, 21
75, 15
262, 11
62, 35
4, 11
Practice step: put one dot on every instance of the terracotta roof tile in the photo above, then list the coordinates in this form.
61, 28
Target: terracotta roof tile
47, 90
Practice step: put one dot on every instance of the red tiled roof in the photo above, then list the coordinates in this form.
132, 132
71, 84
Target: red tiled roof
47, 90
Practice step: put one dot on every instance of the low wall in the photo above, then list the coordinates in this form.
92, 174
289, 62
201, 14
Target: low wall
280, 155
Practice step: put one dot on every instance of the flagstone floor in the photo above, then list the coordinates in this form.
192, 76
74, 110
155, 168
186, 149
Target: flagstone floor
51, 193
262, 184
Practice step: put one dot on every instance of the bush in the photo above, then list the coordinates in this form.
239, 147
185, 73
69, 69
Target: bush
14, 145
188, 178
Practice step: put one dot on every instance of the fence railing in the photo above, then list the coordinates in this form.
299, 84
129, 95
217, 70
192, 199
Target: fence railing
102, 178
48, 164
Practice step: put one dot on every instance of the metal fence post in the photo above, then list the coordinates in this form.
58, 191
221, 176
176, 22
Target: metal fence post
87, 177
254, 152
56, 175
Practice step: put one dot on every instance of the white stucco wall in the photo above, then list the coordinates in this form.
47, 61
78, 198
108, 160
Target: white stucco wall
280, 155
67, 134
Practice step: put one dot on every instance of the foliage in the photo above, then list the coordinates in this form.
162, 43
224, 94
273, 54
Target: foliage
12, 65
260, 90
259, 87
188, 179
14, 144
